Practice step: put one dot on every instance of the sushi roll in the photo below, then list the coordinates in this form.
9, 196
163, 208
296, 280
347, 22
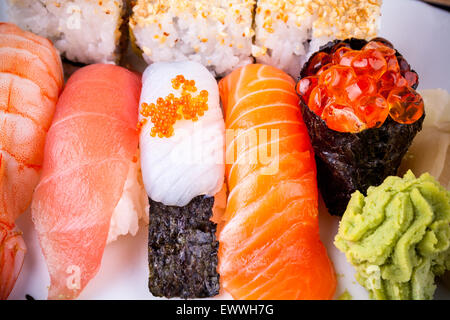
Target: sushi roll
270, 246
83, 31
359, 103
217, 34
288, 31
182, 135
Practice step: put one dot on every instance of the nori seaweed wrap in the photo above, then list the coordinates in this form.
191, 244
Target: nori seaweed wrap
182, 250
346, 161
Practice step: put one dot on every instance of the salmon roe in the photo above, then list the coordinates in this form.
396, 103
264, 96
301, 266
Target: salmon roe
353, 90
166, 111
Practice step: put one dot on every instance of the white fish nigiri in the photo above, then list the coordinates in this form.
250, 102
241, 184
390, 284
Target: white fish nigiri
190, 162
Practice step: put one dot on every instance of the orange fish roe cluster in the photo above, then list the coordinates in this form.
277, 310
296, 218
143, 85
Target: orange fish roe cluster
353, 90
168, 110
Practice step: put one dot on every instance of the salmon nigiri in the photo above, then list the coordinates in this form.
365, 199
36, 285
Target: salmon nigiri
269, 245
90, 147
182, 143
31, 79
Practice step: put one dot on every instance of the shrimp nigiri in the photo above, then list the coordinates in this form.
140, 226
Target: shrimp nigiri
31, 79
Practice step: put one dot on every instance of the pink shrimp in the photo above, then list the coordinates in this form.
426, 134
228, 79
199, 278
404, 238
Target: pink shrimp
31, 79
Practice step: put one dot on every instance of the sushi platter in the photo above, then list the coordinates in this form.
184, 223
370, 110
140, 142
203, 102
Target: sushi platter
262, 150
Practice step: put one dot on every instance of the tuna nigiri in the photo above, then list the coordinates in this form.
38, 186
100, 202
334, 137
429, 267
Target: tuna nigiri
270, 246
89, 152
31, 79
182, 147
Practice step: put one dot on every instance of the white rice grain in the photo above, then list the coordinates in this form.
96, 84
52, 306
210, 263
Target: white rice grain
85, 31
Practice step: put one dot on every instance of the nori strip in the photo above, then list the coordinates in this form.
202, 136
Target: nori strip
347, 162
182, 250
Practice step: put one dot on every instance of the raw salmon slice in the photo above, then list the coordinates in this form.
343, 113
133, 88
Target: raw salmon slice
269, 245
88, 151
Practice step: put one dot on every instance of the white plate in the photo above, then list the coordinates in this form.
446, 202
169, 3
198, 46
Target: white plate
419, 31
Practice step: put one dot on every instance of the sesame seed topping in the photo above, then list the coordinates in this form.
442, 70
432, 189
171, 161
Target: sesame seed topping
332, 18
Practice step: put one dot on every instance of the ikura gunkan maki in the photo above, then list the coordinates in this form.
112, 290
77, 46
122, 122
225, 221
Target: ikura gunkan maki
362, 112
182, 141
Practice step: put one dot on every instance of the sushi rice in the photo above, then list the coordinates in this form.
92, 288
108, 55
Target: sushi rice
224, 35
217, 34
132, 207
83, 31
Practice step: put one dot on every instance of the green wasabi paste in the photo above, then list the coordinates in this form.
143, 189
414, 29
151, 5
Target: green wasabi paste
398, 237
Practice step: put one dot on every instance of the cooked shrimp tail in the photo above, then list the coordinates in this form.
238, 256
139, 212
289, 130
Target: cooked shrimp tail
12, 253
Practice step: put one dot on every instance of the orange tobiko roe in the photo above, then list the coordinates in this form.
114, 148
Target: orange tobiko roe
354, 90
168, 110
